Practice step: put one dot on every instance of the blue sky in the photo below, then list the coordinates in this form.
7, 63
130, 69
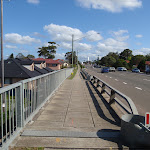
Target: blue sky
30, 24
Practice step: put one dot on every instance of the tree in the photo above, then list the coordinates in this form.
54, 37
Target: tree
11, 56
20, 55
141, 65
121, 63
126, 54
136, 60
49, 51
68, 56
30, 56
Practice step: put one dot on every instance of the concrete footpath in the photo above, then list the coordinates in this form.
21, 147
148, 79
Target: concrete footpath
76, 117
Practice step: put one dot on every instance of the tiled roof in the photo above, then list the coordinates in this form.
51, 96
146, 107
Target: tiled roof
48, 61
147, 63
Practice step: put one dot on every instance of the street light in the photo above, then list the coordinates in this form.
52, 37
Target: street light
77, 50
2, 60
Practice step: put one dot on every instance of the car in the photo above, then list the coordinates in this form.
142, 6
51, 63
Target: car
112, 69
147, 71
136, 70
105, 70
121, 69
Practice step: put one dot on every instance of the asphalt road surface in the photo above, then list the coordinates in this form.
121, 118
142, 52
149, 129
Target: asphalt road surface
134, 85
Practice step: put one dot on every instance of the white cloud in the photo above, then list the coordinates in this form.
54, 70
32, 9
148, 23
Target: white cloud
93, 36
110, 5
62, 33
142, 51
38, 35
60, 56
19, 39
138, 36
111, 45
33, 1
119, 35
10, 46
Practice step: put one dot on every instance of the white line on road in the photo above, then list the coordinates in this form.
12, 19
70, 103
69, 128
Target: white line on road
124, 83
146, 79
116, 79
138, 88
110, 77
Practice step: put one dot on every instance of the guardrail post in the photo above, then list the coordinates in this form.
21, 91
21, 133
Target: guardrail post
19, 102
103, 88
112, 96
98, 82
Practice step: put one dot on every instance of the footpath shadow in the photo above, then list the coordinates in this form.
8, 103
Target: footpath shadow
99, 110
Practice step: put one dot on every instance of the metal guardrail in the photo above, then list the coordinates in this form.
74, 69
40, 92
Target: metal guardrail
19, 102
131, 108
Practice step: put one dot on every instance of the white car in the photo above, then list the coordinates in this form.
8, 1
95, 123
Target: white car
121, 69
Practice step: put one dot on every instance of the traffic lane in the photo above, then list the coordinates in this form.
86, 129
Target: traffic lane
137, 80
139, 97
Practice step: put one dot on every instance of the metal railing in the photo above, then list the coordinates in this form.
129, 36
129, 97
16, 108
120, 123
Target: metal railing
113, 94
19, 102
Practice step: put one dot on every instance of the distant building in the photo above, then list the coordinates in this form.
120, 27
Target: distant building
20, 69
147, 65
52, 64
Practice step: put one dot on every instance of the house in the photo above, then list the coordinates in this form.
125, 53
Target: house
20, 69
147, 65
50, 63
63, 63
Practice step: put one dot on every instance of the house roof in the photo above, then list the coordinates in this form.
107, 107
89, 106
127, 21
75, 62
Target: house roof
48, 61
147, 62
12, 69
41, 71
48, 69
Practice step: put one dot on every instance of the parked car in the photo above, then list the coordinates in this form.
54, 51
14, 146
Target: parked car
112, 69
105, 70
136, 70
147, 71
121, 69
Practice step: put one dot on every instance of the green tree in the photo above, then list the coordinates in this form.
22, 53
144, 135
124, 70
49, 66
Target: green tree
49, 51
20, 55
30, 56
11, 56
147, 57
126, 54
136, 60
141, 65
121, 63
68, 57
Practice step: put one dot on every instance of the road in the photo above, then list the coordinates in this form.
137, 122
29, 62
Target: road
134, 85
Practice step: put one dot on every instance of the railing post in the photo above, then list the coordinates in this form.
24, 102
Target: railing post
98, 82
103, 88
19, 104
112, 97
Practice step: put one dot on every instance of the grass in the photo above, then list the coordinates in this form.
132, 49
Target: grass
73, 74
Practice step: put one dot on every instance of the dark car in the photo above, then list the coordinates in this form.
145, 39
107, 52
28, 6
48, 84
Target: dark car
147, 71
105, 70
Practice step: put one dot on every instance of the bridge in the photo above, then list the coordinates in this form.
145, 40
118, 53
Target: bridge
53, 112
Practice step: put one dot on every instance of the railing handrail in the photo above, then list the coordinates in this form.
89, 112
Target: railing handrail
126, 98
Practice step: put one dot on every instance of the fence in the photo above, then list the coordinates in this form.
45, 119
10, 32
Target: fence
114, 95
19, 102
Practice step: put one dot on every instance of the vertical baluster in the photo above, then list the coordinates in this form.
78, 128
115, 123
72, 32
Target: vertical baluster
6, 114
2, 119
13, 109
9, 113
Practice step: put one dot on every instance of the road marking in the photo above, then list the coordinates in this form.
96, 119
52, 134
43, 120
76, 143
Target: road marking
122, 74
124, 83
138, 88
146, 79
110, 77
116, 79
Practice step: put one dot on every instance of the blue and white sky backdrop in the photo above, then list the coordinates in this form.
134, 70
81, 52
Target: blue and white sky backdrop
30, 24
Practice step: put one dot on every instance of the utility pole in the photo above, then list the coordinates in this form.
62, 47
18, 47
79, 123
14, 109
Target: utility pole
77, 58
72, 49
2, 59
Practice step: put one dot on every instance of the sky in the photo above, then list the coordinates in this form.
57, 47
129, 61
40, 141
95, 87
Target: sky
98, 26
